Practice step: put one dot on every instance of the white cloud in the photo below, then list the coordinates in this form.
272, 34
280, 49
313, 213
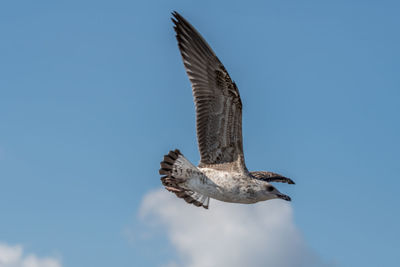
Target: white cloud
227, 234
13, 256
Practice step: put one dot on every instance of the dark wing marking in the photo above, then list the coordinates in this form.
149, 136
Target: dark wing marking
217, 99
271, 177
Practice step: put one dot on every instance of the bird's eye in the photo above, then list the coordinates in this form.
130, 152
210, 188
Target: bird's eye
270, 188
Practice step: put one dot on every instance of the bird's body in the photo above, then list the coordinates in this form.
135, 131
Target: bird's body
231, 186
225, 185
222, 173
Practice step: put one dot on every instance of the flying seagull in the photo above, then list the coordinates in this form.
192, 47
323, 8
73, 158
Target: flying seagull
222, 173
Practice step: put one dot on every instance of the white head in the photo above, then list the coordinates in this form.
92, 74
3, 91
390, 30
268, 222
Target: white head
268, 191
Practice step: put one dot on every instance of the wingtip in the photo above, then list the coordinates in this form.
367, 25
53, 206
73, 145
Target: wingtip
178, 18
175, 14
175, 18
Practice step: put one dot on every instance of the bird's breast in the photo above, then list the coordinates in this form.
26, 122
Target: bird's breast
231, 186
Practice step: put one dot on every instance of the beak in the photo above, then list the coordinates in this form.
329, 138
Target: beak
284, 197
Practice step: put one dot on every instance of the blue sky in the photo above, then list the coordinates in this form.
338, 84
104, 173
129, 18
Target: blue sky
94, 93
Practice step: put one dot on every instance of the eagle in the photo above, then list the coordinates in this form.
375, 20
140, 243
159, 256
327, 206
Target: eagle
221, 173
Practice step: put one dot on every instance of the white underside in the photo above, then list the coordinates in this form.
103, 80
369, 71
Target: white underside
224, 186
228, 186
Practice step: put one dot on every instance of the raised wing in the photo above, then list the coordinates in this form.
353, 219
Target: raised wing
217, 99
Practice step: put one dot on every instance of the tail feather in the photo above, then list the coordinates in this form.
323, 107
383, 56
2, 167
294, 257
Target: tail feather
201, 199
174, 169
206, 202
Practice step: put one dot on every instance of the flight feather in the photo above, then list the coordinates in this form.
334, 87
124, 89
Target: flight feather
216, 97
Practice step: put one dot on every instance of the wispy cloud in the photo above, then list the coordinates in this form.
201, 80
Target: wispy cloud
13, 256
229, 234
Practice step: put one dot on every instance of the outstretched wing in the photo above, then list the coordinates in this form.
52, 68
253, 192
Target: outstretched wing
217, 99
271, 177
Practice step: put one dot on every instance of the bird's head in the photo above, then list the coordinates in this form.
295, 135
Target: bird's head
270, 192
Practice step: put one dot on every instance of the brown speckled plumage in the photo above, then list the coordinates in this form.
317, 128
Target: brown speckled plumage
217, 99
222, 173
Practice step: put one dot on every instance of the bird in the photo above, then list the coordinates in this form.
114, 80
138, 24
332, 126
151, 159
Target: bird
222, 173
